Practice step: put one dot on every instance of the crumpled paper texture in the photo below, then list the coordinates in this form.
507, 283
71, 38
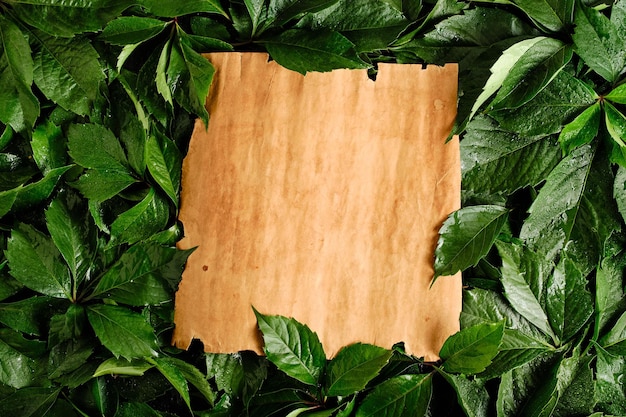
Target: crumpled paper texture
320, 197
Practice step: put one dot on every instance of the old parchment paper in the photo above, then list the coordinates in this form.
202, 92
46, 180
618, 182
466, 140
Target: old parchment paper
319, 197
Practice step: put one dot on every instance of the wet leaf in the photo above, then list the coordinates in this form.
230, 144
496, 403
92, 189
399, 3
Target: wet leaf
119, 366
582, 130
494, 160
472, 349
524, 278
353, 367
66, 70
400, 396
292, 347
303, 51
164, 162
123, 332
35, 261
143, 220
126, 30
574, 207
18, 105
599, 43
466, 236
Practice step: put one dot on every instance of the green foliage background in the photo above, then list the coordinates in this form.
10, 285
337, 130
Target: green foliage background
97, 102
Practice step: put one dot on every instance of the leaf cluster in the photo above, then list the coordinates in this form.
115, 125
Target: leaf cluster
97, 102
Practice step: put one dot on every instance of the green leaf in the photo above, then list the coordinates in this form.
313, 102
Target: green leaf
68, 356
119, 366
523, 278
124, 55
73, 233
126, 30
238, 375
614, 341
33, 348
280, 12
472, 349
257, 9
100, 184
569, 303
67, 71
170, 371
574, 207
471, 394
161, 73
618, 16
179, 8
502, 68
35, 261
615, 125
531, 73
123, 332
551, 108
599, 43
140, 275
544, 400
455, 33
370, 25
210, 28
29, 402
292, 347
7, 199
609, 386
16, 369
354, 367
227, 370
19, 107
582, 130
6, 136
575, 386
516, 349
521, 341
69, 326
143, 220
133, 137
194, 377
146, 88
524, 385
302, 51
105, 399
30, 315
400, 396
79, 378
483, 306
610, 297
66, 18
494, 160
8, 285
466, 236
62, 408
204, 44
48, 146
550, 15
441, 9
95, 146
617, 95
135, 409
36, 192
164, 162
15, 171
189, 77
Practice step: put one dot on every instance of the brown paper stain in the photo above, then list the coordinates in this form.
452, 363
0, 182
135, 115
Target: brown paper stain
319, 197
